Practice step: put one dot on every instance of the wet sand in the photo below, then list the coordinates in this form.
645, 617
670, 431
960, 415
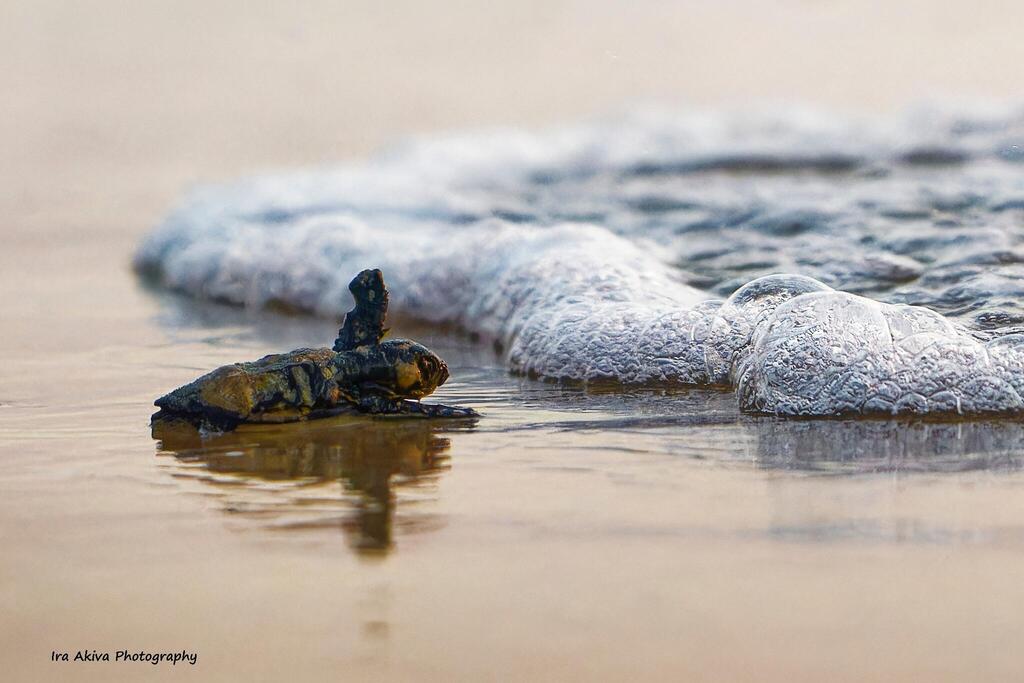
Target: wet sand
565, 534
594, 535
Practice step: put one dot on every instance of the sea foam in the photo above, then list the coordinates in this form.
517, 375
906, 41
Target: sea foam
603, 251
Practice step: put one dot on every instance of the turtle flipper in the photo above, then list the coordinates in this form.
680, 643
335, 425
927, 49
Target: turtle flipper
436, 410
382, 405
364, 324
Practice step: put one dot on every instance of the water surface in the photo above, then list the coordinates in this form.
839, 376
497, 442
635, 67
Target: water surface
589, 533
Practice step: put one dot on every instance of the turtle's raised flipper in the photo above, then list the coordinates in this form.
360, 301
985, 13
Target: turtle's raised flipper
382, 405
364, 324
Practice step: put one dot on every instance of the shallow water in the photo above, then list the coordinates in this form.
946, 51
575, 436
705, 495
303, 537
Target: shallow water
608, 534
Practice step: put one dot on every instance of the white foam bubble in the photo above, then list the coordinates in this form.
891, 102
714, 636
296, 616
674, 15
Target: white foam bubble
832, 353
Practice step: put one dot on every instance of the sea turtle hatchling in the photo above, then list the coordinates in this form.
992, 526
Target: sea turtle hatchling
361, 374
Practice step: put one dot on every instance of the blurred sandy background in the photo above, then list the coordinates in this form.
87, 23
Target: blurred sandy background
110, 108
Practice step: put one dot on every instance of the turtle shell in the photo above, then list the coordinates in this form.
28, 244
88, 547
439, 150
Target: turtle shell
276, 387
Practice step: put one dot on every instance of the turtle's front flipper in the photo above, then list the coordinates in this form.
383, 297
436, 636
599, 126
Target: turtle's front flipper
381, 405
364, 324
436, 410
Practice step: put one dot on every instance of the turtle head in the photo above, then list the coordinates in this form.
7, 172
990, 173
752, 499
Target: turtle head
414, 371
433, 372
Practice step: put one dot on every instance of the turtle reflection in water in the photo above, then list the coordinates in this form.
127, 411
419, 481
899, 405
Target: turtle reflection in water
372, 460
362, 374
